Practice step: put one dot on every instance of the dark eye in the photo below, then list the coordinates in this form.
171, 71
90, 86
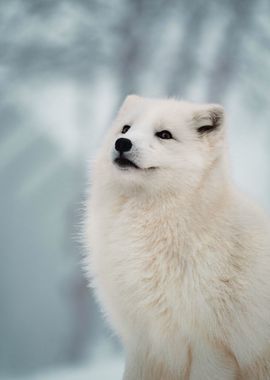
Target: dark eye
166, 135
125, 128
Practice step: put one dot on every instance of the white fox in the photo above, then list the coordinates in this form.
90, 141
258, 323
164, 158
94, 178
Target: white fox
178, 257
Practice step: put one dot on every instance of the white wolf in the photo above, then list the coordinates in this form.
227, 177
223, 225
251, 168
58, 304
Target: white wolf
179, 258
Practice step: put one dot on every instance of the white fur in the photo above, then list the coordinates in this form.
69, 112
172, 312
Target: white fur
179, 259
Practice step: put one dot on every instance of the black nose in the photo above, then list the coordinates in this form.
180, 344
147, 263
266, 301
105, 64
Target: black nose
123, 145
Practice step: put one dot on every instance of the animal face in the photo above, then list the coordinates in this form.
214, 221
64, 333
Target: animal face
163, 143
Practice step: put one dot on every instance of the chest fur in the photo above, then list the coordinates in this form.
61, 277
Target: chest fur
158, 270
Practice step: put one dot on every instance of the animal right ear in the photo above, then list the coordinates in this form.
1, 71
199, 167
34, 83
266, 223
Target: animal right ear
126, 111
130, 101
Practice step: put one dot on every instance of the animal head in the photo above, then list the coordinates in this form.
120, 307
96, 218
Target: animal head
159, 144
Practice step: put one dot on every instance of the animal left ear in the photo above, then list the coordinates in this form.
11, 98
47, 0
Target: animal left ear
209, 119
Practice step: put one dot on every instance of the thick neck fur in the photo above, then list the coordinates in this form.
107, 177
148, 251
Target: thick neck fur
208, 199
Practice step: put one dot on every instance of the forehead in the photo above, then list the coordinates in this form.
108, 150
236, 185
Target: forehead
161, 112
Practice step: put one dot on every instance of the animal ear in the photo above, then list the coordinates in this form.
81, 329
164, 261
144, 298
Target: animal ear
209, 119
130, 101
126, 111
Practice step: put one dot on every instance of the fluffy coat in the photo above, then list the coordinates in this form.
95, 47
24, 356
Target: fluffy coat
178, 257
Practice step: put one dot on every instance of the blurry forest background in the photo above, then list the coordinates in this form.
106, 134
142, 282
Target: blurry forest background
65, 66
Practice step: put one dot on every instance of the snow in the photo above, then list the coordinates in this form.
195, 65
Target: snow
111, 368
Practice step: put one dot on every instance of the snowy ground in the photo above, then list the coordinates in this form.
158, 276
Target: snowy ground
100, 370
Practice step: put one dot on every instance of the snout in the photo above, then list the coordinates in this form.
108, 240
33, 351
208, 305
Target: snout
123, 145
126, 155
